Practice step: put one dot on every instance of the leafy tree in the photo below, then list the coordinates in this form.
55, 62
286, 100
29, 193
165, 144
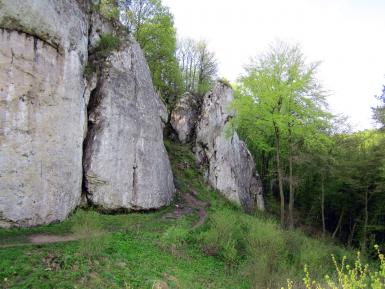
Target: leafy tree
152, 25
379, 111
279, 109
198, 66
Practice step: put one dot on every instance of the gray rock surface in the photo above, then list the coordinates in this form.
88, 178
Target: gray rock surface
126, 165
42, 110
228, 165
184, 117
44, 98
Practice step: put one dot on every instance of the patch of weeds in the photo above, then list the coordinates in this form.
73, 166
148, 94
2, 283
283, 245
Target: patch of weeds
225, 237
107, 43
175, 238
107, 9
225, 82
89, 69
92, 237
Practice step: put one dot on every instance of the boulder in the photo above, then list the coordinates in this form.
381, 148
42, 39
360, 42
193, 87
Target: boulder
185, 116
126, 166
42, 110
228, 165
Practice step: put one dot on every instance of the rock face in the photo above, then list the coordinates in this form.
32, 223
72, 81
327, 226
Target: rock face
42, 52
184, 117
43, 117
227, 163
126, 164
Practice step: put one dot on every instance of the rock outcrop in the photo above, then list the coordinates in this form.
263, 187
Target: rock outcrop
184, 117
42, 110
228, 165
126, 165
43, 117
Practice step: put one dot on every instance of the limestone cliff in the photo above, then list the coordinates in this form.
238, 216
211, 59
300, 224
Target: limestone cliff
42, 110
126, 164
226, 161
44, 49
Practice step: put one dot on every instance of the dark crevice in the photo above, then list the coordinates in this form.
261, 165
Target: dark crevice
93, 125
93, 102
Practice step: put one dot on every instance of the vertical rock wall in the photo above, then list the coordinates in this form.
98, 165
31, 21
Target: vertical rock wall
42, 52
43, 117
226, 161
126, 164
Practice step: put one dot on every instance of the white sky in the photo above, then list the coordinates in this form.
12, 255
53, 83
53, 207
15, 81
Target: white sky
348, 36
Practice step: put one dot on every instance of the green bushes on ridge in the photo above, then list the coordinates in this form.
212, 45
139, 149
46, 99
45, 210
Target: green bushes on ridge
265, 254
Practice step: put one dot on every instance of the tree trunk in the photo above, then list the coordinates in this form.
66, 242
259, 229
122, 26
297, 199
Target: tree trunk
291, 189
323, 205
351, 236
338, 225
365, 229
280, 177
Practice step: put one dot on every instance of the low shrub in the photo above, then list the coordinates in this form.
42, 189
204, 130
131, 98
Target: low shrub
175, 237
356, 276
107, 43
225, 237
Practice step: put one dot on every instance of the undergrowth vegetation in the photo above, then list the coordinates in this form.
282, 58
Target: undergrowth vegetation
107, 43
147, 250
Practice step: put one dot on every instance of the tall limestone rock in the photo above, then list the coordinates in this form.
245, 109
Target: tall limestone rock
228, 165
42, 109
43, 117
184, 117
126, 164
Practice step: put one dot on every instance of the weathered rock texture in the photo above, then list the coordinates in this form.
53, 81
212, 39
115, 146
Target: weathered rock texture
126, 165
227, 163
42, 52
43, 117
184, 117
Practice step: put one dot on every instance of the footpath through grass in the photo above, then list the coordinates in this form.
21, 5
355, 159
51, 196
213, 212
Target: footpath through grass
149, 250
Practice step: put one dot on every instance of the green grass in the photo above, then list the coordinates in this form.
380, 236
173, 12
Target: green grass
145, 250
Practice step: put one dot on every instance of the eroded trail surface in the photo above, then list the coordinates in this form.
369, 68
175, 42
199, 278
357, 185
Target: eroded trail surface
187, 206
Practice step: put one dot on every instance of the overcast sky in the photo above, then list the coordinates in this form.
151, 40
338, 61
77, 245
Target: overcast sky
347, 36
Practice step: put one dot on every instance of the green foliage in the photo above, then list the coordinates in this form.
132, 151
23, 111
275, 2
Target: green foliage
281, 114
225, 237
108, 9
379, 110
152, 24
244, 251
225, 82
89, 69
358, 276
89, 229
198, 66
265, 254
175, 237
107, 43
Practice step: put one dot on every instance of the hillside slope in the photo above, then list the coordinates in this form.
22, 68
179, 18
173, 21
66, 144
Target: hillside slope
172, 248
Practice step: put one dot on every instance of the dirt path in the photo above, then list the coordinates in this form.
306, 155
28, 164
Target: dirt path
40, 239
188, 205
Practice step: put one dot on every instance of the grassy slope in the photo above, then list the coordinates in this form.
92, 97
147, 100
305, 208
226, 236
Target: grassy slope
145, 250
